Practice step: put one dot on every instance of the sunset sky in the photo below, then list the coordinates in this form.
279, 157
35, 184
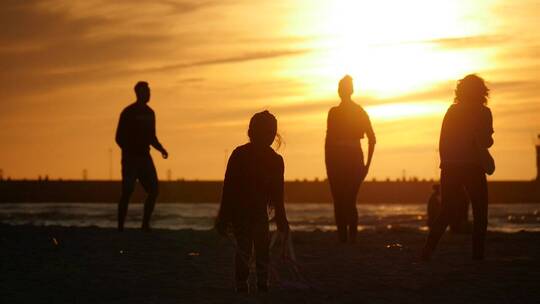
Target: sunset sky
68, 69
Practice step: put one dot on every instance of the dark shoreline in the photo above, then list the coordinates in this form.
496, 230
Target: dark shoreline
386, 192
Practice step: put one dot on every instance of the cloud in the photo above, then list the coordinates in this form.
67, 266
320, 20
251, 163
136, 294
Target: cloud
192, 80
462, 42
83, 65
52, 45
238, 113
184, 7
443, 92
172, 7
31, 23
522, 52
283, 39
45, 46
226, 60
470, 41
510, 92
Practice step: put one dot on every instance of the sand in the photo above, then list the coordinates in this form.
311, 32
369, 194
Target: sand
93, 265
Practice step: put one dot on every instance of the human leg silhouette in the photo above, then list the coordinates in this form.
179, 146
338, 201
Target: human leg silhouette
334, 171
129, 177
476, 186
149, 181
261, 244
345, 170
354, 176
338, 190
459, 222
244, 246
352, 212
451, 189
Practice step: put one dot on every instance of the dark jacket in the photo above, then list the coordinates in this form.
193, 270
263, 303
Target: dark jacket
253, 181
136, 130
466, 129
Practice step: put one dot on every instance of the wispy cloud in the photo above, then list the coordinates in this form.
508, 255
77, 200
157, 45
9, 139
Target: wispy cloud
185, 7
48, 46
470, 41
461, 42
227, 60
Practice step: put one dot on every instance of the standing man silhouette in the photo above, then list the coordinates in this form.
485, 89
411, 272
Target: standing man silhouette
135, 134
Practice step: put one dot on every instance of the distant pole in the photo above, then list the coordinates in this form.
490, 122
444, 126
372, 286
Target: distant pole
538, 158
85, 174
1, 174
110, 164
169, 174
404, 172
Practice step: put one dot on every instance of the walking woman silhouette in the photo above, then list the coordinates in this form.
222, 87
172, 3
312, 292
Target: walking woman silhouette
347, 124
466, 135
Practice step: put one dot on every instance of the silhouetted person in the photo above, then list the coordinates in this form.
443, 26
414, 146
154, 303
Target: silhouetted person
347, 124
466, 134
253, 181
135, 134
459, 222
434, 206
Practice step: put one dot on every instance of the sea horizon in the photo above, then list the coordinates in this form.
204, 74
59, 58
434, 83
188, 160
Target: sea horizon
302, 217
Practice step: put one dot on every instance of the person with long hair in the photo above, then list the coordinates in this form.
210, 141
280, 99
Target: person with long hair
253, 182
347, 123
466, 135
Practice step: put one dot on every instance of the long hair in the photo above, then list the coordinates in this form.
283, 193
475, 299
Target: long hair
263, 129
471, 89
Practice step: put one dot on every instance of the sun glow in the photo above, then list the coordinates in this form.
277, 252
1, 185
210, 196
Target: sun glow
395, 111
391, 47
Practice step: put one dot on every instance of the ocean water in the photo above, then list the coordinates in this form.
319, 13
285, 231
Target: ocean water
306, 217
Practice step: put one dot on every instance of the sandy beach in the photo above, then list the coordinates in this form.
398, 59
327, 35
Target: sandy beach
95, 265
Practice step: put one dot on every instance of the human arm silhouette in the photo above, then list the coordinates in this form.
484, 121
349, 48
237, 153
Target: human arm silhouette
277, 197
121, 130
155, 142
229, 194
484, 133
372, 140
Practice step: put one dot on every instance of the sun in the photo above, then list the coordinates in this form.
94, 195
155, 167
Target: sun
390, 47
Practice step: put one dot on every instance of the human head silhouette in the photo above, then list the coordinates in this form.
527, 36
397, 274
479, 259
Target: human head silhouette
142, 91
262, 128
471, 89
345, 88
436, 188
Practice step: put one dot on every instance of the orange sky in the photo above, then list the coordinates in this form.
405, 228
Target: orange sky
68, 68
